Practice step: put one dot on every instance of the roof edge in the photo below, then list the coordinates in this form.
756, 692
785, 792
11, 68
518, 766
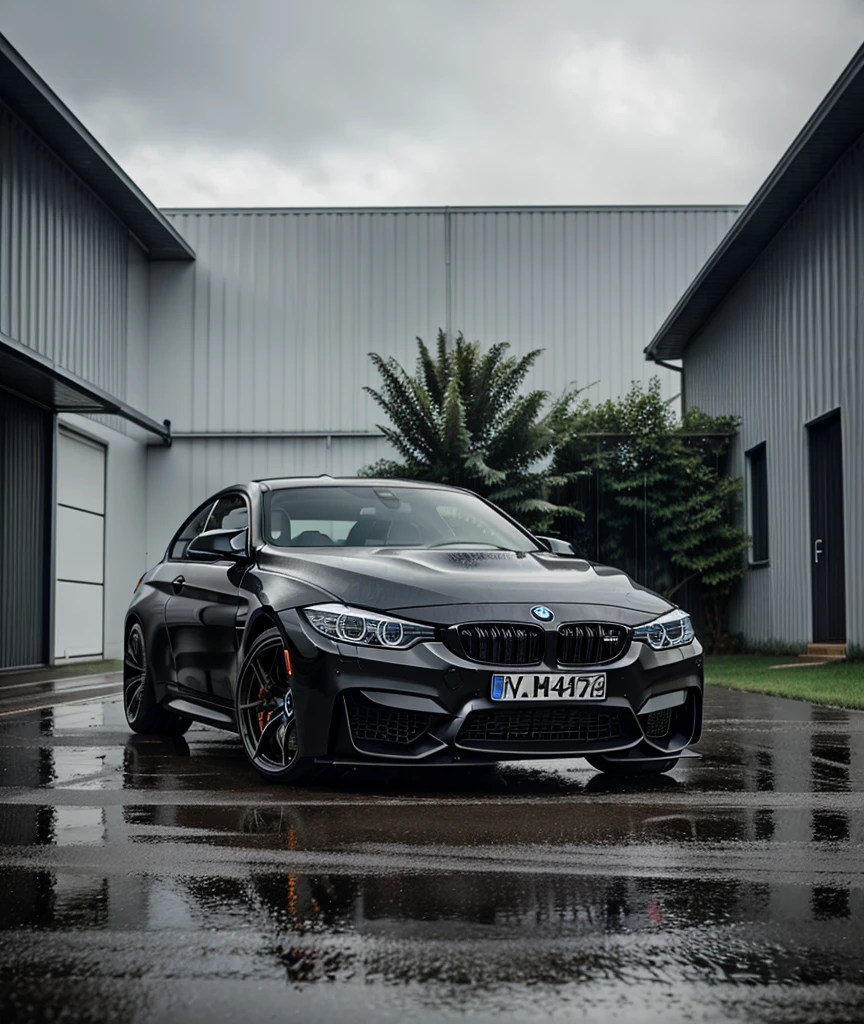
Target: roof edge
851, 74
543, 208
40, 379
33, 101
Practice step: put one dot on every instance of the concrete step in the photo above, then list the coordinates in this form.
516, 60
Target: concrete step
823, 652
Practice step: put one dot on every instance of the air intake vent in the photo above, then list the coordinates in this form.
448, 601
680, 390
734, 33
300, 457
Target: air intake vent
591, 643
541, 725
656, 723
376, 724
502, 643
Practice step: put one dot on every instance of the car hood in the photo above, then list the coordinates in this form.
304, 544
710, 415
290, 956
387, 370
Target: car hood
405, 580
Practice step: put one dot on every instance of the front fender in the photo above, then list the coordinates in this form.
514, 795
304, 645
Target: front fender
272, 599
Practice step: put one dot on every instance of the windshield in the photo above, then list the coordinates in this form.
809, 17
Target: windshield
377, 516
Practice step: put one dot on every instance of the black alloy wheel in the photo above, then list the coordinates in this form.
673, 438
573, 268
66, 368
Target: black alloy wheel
266, 717
143, 713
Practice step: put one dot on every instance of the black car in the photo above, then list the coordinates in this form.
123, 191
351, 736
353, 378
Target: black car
335, 622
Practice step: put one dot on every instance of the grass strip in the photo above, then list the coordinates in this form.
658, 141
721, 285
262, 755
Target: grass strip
840, 684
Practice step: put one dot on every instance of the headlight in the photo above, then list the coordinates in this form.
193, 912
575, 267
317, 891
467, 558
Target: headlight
671, 630
353, 626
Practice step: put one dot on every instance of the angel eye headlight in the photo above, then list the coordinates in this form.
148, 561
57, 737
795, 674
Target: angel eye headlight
674, 629
390, 632
351, 627
370, 629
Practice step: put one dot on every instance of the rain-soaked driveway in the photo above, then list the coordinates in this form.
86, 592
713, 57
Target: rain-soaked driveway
152, 880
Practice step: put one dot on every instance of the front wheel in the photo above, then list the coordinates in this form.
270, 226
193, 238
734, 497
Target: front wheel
658, 767
265, 713
143, 712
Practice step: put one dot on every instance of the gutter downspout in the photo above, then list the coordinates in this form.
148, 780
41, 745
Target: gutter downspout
677, 369
448, 299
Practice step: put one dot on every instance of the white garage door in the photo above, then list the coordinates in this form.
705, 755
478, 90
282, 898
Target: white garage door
80, 547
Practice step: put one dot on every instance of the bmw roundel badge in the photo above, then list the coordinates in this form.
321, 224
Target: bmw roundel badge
542, 613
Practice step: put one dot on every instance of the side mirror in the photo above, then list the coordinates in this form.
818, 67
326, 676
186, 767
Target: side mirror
561, 548
218, 545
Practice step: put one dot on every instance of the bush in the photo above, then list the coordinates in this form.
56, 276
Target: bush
658, 503
460, 419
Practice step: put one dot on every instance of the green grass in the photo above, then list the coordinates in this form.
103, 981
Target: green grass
840, 684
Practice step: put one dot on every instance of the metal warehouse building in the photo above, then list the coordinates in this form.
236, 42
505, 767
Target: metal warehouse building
772, 329
249, 330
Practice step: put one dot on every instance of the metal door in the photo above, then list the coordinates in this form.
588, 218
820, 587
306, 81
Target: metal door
25, 495
79, 541
827, 556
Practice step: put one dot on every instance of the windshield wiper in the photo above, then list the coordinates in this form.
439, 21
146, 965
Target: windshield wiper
469, 543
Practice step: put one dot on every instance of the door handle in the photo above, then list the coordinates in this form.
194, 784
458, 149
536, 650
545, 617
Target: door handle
817, 550
177, 583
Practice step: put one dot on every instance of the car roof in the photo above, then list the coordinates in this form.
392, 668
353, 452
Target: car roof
324, 479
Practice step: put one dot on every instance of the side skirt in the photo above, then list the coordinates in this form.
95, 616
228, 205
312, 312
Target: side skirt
201, 713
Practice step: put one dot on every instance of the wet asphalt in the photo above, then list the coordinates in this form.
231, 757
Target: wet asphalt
151, 880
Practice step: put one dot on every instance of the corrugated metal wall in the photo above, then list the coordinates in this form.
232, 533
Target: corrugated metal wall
63, 263
67, 270
784, 349
270, 329
587, 285
272, 326
25, 487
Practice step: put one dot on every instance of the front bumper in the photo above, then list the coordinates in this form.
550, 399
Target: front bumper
426, 705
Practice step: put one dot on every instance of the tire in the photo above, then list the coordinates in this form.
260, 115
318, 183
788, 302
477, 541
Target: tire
658, 767
265, 714
143, 713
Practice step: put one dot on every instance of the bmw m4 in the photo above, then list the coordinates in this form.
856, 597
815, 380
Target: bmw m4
337, 622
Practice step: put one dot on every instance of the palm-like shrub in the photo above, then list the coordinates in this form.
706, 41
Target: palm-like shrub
461, 419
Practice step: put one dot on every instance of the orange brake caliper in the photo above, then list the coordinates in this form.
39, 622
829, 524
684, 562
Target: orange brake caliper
261, 693
261, 714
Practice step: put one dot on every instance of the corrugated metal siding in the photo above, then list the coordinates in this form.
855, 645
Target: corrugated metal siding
272, 326
25, 479
786, 348
589, 286
63, 263
270, 329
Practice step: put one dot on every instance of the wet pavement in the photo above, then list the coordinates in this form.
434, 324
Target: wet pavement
148, 880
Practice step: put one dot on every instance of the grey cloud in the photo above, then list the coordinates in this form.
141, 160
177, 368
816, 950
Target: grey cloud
475, 101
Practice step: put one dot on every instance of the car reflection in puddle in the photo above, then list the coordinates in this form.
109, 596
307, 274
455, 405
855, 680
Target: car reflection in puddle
730, 889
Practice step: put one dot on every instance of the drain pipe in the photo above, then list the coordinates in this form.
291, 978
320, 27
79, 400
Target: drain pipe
677, 369
448, 286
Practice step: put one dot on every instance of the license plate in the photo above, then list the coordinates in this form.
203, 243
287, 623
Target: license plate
512, 687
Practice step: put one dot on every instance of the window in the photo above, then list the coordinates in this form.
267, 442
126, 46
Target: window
189, 531
758, 479
229, 513
376, 516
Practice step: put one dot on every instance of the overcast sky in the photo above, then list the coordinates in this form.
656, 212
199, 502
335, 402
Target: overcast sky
414, 102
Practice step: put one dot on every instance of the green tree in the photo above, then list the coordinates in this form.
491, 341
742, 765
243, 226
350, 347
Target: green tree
462, 419
659, 502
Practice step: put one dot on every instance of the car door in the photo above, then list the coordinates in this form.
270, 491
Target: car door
201, 613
